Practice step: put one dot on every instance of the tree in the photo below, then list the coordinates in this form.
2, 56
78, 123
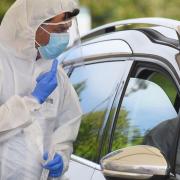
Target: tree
104, 11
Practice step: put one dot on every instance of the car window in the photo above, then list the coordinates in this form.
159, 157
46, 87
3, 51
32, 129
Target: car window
95, 85
166, 84
147, 114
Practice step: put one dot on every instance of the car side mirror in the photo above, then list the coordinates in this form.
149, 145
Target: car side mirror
136, 162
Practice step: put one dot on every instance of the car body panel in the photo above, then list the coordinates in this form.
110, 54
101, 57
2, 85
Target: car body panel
130, 46
86, 169
98, 175
135, 39
79, 171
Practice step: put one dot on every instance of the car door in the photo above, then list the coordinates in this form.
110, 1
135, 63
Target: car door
148, 112
96, 85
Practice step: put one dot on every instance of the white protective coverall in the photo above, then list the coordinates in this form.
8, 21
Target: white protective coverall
27, 129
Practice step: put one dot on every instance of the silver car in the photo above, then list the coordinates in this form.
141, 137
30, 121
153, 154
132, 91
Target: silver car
129, 89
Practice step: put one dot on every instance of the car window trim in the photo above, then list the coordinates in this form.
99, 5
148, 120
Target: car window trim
85, 162
162, 62
97, 60
120, 99
118, 94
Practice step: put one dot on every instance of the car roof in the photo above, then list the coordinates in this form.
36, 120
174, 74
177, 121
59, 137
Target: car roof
161, 40
163, 22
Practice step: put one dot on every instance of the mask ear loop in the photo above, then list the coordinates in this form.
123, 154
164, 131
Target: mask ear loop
59, 23
45, 31
37, 43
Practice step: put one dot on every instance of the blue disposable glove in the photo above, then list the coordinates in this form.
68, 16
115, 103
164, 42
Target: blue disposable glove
54, 166
46, 84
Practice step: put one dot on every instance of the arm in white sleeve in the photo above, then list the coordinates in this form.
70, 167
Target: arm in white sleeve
16, 112
69, 118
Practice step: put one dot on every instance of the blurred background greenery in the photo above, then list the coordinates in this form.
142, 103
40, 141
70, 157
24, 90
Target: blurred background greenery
107, 11
104, 11
4, 5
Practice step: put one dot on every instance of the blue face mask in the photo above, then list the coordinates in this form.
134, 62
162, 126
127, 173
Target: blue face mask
58, 42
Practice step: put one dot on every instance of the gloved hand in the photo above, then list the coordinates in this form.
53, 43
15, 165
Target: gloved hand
46, 84
54, 166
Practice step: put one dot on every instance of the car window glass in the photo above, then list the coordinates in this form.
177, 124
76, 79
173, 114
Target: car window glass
147, 114
94, 85
167, 85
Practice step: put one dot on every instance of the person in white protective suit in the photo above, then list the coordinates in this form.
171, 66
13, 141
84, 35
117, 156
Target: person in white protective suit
39, 109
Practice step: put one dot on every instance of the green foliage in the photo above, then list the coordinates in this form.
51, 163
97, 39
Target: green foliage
86, 143
125, 135
104, 11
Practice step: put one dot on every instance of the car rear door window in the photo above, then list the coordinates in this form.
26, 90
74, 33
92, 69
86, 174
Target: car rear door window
148, 114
